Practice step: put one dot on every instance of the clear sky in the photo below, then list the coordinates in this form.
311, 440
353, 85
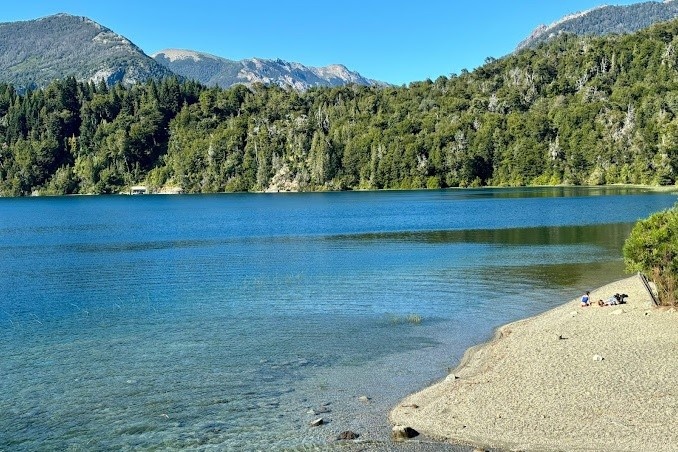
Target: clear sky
395, 41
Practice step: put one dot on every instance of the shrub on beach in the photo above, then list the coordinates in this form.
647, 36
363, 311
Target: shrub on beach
652, 249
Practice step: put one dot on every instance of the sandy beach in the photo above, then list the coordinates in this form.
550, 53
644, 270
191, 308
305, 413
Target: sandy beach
574, 378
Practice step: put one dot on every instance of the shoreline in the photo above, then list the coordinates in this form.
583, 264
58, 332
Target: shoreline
571, 378
179, 190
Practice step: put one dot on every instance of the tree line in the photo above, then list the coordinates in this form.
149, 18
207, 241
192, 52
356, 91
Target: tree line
572, 111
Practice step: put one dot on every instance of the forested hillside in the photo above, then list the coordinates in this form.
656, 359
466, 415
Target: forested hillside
572, 111
605, 20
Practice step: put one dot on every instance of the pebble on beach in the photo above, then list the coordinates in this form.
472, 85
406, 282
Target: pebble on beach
403, 433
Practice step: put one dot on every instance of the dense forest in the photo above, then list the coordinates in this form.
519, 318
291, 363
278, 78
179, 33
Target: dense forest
572, 111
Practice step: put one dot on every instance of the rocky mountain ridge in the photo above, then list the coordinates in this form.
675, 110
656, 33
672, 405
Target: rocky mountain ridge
35, 52
604, 20
212, 70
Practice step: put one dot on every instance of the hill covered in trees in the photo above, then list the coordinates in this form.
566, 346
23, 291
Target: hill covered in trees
605, 20
35, 52
572, 111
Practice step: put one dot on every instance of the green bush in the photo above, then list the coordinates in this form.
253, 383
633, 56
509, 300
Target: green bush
652, 249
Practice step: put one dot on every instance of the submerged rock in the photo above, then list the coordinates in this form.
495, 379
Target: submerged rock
348, 435
318, 422
320, 410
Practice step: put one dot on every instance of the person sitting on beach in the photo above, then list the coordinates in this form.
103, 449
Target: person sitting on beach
620, 298
612, 301
585, 299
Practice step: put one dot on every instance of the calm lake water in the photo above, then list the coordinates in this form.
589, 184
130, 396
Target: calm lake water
168, 322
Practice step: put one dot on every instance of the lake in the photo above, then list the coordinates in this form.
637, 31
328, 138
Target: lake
231, 321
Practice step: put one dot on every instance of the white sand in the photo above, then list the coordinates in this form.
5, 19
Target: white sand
531, 390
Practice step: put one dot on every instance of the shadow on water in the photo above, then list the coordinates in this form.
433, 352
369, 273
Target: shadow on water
553, 192
609, 236
606, 235
555, 276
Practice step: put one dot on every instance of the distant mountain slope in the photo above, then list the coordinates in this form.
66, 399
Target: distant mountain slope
605, 20
216, 71
35, 52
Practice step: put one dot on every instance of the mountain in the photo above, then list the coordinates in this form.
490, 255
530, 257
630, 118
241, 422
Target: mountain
35, 52
216, 71
605, 20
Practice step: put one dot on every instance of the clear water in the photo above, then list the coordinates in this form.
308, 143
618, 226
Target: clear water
218, 322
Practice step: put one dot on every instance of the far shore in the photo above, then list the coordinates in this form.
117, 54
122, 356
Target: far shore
175, 190
573, 378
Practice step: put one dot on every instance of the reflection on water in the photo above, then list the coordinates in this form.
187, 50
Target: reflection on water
608, 235
221, 321
555, 192
556, 276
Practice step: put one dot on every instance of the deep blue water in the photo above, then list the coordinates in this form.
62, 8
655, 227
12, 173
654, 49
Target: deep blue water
167, 322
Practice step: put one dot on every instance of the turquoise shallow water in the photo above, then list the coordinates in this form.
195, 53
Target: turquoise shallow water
203, 322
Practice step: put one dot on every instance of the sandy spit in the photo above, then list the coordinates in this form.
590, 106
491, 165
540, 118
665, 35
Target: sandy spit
574, 378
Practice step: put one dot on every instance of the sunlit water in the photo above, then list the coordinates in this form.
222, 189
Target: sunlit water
220, 322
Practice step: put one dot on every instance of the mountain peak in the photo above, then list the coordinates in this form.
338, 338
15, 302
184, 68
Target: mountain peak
66, 17
216, 71
605, 19
35, 52
180, 54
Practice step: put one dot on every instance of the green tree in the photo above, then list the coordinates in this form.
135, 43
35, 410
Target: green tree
652, 249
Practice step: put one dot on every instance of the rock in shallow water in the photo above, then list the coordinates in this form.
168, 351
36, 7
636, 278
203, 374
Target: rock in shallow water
321, 410
347, 436
318, 422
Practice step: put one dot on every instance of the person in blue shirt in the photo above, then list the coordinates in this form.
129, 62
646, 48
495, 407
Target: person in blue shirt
585, 299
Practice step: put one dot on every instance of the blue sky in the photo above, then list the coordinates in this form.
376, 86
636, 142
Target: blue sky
392, 41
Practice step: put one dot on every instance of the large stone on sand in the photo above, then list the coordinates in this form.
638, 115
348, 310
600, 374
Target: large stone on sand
402, 433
